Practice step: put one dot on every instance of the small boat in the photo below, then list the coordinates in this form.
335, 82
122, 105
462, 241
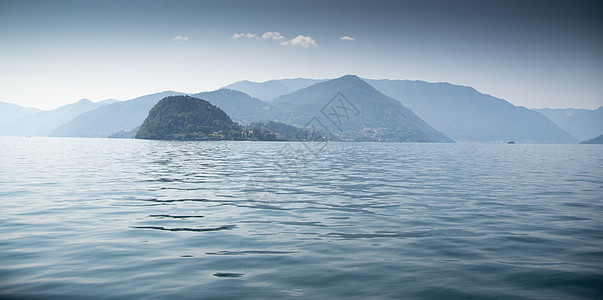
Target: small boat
510, 142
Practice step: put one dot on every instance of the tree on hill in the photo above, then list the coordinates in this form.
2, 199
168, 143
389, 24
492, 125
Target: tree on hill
286, 132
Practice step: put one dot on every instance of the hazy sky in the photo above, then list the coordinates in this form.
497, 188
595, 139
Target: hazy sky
530, 53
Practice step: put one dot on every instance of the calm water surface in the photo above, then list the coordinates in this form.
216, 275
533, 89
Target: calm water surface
108, 218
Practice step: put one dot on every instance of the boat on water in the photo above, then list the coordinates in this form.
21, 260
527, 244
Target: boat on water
510, 142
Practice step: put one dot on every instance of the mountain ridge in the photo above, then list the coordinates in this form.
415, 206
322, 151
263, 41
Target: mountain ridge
465, 114
10, 112
379, 118
268, 90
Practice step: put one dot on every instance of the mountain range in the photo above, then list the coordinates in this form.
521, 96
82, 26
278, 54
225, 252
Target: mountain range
126, 115
459, 112
583, 124
383, 110
111, 118
465, 114
44, 123
10, 112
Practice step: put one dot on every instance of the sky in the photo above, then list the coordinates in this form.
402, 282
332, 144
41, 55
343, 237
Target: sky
531, 53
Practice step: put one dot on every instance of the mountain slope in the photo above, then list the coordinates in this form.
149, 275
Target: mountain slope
10, 112
112, 118
372, 116
45, 122
583, 124
595, 140
467, 115
271, 89
240, 106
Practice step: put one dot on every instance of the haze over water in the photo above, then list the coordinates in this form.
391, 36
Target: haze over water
108, 218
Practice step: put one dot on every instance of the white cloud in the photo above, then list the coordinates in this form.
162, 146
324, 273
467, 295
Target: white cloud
347, 38
181, 38
272, 35
302, 41
246, 35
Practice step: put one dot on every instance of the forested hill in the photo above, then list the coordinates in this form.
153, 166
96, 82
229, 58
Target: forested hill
185, 117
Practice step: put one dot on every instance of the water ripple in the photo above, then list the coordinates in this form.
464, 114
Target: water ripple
355, 221
245, 252
410, 234
174, 217
229, 275
223, 227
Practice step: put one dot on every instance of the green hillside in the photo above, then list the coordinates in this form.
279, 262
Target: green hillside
185, 117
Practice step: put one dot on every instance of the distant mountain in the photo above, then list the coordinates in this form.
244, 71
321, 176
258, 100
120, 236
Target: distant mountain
112, 118
459, 112
465, 114
120, 118
358, 112
108, 101
240, 106
269, 90
45, 122
583, 124
299, 83
596, 140
262, 90
10, 112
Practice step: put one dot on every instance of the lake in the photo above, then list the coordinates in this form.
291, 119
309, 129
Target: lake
119, 218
